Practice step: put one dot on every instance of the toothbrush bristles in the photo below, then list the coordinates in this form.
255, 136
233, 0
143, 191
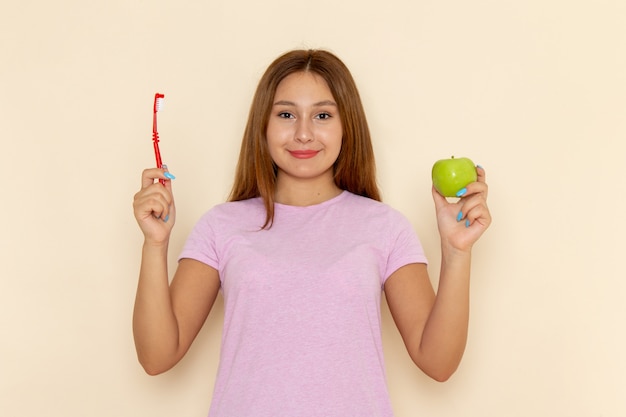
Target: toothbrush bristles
159, 104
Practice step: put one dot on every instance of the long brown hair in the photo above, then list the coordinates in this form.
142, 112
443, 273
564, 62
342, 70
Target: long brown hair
355, 168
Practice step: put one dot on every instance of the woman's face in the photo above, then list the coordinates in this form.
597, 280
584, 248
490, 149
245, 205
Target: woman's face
304, 131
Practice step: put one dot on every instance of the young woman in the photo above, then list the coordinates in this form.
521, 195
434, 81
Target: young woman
302, 253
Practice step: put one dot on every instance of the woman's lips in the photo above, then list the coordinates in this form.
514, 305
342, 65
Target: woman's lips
305, 154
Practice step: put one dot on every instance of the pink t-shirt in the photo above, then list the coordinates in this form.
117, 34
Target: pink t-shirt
302, 326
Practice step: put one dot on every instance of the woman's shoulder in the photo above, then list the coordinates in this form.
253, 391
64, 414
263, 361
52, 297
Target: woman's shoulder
247, 204
234, 211
366, 203
370, 210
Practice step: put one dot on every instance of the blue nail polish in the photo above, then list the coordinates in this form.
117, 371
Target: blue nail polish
480, 166
169, 176
166, 218
459, 216
467, 223
461, 192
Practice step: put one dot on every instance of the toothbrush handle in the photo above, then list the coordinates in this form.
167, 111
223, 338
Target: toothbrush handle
157, 153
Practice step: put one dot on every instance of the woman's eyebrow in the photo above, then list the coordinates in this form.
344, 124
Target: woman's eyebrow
318, 104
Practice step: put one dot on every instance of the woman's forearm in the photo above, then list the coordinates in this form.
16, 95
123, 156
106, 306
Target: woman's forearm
445, 334
155, 327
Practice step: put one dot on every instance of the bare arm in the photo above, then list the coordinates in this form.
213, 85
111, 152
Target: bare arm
434, 326
166, 317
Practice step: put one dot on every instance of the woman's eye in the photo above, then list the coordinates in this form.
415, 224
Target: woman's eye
285, 115
324, 116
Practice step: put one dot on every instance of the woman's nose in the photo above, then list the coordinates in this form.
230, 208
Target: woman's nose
304, 133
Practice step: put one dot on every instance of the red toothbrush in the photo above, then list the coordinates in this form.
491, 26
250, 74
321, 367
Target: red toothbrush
158, 105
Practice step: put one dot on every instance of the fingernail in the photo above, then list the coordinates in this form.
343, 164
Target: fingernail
461, 192
480, 166
169, 176
467, 223
166, 218
459, 216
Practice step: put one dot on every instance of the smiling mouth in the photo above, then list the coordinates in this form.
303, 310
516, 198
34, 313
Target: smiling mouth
304, 154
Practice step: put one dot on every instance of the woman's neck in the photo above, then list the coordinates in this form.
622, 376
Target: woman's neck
304, 192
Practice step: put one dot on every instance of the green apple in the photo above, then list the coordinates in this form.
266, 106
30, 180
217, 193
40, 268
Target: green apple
451, 175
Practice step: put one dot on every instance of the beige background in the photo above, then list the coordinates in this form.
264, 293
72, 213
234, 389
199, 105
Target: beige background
535, 91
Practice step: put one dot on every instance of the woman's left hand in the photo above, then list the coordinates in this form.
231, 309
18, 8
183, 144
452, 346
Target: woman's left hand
463, 222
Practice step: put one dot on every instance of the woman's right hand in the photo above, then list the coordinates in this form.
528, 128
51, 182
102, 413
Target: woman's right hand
154, 206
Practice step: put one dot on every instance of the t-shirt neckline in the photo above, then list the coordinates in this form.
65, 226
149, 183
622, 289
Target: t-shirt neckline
330, 201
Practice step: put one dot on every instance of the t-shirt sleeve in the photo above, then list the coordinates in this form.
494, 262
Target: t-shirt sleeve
404, 247
201, 243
